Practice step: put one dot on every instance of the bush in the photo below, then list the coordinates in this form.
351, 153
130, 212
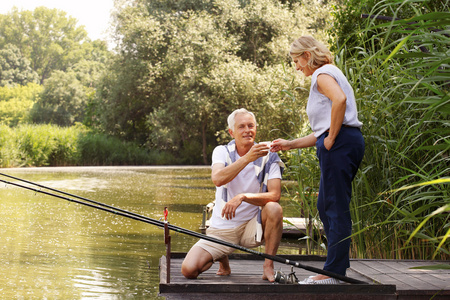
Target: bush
51, 145
16, 103
100, 150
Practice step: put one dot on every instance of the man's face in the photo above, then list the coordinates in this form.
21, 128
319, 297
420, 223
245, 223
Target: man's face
244, 130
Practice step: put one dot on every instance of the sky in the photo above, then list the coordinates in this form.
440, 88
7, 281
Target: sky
93, 14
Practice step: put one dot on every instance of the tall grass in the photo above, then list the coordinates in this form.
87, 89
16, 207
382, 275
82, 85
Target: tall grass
400, 72
401, 76
50, 145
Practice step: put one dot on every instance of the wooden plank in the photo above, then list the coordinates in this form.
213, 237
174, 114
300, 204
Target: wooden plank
272, 296
162, 270
423, 295
278, 289
389, 271
377, 267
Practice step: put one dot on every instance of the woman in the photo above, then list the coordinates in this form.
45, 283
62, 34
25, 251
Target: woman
336, 134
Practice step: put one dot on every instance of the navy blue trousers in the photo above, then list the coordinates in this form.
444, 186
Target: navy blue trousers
338, 168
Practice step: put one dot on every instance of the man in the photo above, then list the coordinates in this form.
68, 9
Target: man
247, 210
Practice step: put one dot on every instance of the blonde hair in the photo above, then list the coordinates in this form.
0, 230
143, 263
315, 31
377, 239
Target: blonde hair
232, 116
320, 55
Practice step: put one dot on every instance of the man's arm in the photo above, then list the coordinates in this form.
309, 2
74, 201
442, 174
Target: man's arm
221, 175
273, 194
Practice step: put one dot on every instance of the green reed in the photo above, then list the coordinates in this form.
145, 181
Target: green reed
50, 145
28, 145
401, 77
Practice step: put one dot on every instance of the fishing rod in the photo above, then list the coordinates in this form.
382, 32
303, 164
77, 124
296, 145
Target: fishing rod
141, 218
75, 196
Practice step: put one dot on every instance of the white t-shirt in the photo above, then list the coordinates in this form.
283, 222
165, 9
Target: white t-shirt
319, 105
244, 182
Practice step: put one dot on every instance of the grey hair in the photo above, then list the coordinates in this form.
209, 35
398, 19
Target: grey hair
320, 55
231, 117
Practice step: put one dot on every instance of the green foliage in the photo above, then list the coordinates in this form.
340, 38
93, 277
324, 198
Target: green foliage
48, 38
16, 103
349, 19
50, 145
185, 65
67, 96
46, 46
406, 128
26, 146
62, 101
14, 68
101, 150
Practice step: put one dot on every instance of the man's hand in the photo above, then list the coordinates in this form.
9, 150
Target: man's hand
257, 151
229, 210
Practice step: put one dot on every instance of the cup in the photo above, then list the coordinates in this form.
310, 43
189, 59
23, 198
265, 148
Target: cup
268, 144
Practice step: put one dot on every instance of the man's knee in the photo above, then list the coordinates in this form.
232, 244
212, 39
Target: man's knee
189, 270
274, 211
196, 261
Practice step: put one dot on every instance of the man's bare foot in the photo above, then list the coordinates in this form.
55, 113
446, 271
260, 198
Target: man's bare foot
268, 273
224, 267
223, 272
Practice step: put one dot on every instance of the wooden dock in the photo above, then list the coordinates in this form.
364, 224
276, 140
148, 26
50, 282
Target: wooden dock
301, 227
386, 279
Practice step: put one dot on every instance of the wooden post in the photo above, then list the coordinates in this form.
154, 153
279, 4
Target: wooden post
167, 240
203, 226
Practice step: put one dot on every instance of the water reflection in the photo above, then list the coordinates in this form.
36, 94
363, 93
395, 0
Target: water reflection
51, 248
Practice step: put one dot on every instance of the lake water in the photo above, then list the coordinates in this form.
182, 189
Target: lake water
55, 249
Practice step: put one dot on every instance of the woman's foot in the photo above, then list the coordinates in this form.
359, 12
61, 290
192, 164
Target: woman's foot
320, 279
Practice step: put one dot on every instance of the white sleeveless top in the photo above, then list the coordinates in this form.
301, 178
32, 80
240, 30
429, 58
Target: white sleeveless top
318, 108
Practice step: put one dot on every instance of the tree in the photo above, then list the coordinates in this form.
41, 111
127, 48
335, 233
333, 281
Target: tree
47, 37
14, 68
16, 102
48, 44
62, 101
183, 66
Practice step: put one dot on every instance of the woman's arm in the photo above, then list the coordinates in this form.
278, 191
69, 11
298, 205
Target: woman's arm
303, 142
328, 86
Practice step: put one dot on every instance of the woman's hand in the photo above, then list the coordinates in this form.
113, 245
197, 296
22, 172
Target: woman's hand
279, 145
328, 142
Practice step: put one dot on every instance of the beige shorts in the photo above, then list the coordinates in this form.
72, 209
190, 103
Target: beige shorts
244, 235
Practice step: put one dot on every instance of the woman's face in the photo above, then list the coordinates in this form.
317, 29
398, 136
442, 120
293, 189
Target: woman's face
301, 64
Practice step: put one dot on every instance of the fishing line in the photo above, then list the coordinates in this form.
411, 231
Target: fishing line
141, 218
